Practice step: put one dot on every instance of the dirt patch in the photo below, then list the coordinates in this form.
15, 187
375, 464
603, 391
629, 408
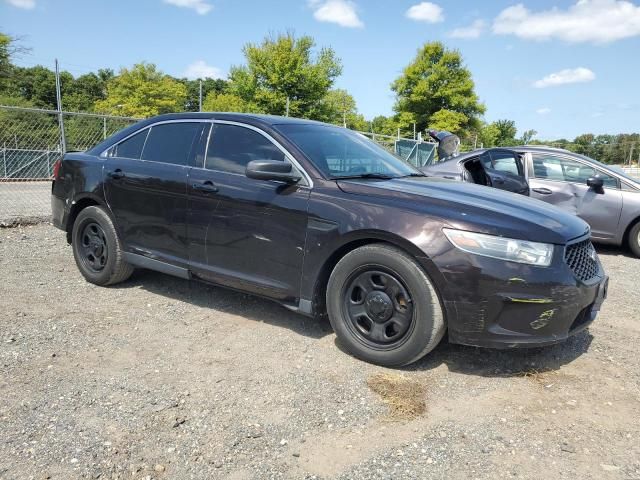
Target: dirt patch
404, 397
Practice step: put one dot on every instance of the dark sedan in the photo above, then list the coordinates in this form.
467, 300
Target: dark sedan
322, 220
605, 197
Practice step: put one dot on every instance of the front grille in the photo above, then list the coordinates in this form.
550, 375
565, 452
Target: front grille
582, 260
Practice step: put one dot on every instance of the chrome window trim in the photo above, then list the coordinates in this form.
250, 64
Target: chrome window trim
213, 121
149, 127
290, 158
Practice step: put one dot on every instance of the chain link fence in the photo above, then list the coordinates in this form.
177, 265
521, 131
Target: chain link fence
31, 141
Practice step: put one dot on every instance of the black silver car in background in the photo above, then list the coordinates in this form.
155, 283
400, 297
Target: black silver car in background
605, 197
323, 220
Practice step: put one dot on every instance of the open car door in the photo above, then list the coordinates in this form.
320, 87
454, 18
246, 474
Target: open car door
504, 170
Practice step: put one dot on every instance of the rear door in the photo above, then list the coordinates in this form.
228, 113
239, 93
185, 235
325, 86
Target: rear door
505, 170
146, 188
562, 181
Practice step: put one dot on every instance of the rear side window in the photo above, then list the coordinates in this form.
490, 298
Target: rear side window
231, 147
171, 142
131, 147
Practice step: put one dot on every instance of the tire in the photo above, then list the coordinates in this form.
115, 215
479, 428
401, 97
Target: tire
97, 249
383, 307
634, 239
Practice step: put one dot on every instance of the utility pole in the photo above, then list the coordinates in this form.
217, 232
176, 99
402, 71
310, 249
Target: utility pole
200, 97
63, 140
414, 130
287, 106
344, 112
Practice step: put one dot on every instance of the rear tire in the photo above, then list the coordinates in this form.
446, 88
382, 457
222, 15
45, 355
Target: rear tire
634, 239
97, 249
383, 307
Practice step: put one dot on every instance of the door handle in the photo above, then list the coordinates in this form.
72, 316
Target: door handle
542, 191
117, 174
206, 187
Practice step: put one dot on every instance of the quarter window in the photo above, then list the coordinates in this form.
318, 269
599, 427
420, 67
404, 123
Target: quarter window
505, 162
131, 147
551, 167
232, 147
171, 142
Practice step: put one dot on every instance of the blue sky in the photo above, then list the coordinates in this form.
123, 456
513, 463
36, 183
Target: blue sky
562, 68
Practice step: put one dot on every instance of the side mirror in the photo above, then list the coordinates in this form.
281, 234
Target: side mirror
595, 182
271, 170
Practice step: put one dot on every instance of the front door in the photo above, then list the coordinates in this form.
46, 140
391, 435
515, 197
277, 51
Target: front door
562, 181
246, 233
505, 170
146, 189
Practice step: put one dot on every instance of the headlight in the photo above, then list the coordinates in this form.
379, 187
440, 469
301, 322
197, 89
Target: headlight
521, 251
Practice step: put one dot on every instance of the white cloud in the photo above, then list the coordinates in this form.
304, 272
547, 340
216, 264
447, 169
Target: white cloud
200, 69
543, 111
471, 31
201, 7
342, 12
566, 76
594, 21
425, 12
26, 4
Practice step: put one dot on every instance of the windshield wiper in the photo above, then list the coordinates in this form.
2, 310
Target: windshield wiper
381, 176
413, 175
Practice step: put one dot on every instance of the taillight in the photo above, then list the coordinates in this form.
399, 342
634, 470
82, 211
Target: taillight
56, 168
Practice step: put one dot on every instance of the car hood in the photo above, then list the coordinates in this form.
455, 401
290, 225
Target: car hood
475, 208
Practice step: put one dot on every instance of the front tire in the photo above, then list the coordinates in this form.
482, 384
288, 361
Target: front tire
97, 249
634, 239
383, 307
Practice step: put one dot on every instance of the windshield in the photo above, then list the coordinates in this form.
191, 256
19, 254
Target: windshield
340, 153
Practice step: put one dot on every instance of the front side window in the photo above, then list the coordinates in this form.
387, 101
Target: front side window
339, 152
232, 147
505, 162
131, 147
171, 142
551, 167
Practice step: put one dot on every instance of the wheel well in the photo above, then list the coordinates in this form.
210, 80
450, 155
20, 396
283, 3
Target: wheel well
320, 289
625, 237
75, 210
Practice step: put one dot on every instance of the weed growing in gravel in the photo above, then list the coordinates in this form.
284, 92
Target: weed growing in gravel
404, 397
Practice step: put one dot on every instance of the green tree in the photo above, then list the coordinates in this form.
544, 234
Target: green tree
284, 67
448, 120
437, 80
209, 85
339, 107
228, 102
9, 48
142, 91
527, 136
506, 133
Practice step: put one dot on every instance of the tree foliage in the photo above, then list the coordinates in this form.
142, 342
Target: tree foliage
284, 67
437, 80
142, 91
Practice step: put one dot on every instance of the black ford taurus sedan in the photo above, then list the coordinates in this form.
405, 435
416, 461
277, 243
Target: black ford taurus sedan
322, 220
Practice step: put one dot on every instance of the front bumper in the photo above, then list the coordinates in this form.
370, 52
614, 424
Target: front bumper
498, 304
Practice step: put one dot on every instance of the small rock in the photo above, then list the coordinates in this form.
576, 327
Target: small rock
283, 442
296, 454
159, 468
565, 447
179, 421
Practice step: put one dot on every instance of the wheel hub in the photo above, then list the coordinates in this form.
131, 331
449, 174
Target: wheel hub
379, 306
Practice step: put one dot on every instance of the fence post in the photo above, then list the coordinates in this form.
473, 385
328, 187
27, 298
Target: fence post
63, 139
104, 128
4, 158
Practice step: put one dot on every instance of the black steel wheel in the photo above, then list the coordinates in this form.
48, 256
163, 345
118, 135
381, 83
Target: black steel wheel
383, 306
379, 307
97, 248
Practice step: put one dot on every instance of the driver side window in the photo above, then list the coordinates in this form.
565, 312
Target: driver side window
550, 167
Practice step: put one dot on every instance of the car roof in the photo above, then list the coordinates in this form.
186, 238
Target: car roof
231, 116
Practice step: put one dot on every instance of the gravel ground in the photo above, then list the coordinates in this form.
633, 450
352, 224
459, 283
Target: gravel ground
162, 378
